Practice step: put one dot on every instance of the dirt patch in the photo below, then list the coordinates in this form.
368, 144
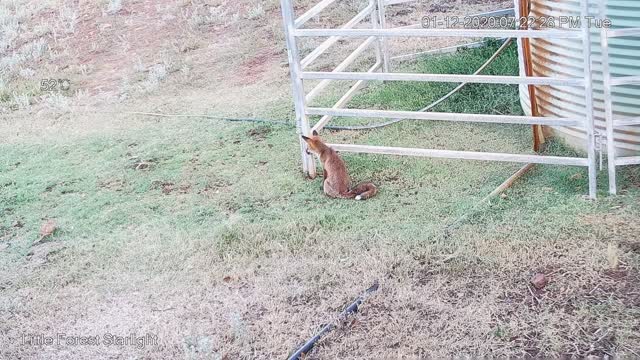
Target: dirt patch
101, 40
445, 301
259, 133
623, 285
633, 246
619, 284
632, 177
113, 185
63, 185
40, 254
619, 226
253, 69
143, 164
168, 187
210, 190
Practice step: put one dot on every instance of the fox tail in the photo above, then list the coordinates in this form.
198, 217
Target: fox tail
364, 191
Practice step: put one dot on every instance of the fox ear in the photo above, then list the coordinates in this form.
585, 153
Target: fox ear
314, 133
305, 138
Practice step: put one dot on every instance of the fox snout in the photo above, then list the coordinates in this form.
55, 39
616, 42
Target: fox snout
313, 143
306, 148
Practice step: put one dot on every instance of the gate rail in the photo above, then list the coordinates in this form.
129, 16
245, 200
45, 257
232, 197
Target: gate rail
376, 36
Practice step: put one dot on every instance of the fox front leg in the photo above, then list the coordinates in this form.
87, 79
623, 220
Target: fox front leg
324, 178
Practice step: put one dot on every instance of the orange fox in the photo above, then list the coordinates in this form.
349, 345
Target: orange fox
336, 178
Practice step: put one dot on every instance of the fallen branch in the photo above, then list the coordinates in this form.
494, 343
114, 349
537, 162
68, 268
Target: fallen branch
499, 190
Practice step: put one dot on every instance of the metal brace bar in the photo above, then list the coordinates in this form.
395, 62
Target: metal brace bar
317, 9
547, 34
376, 8
342, 66
625, 80
464, 155
334, 39
624, 32
455, 117
480, 79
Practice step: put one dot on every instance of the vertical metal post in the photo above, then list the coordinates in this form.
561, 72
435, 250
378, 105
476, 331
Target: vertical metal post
302, 123
538, 136
588, 95
375, 24
608, 109
516, 11
383, 25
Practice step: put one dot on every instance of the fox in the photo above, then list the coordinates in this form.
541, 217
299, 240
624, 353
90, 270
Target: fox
336, 179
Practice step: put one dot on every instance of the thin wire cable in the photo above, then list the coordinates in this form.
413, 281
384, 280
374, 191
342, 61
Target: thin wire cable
434, 104
506, 43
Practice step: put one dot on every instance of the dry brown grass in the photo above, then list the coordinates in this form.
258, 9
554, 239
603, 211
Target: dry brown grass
202, 303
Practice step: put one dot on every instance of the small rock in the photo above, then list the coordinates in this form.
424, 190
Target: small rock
48, 228
503, 196
539, 281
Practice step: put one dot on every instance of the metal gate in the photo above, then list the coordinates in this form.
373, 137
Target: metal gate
614, 123
376, 35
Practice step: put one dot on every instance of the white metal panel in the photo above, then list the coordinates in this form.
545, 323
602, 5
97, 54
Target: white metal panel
465, 155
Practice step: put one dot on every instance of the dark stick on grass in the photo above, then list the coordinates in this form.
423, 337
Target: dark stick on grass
351, 309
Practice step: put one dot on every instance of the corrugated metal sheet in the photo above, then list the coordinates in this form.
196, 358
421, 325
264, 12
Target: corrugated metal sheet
563, 57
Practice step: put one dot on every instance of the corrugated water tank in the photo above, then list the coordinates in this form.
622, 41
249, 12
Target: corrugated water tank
563, 57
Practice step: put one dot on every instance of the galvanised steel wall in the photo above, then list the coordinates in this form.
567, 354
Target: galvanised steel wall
563, 57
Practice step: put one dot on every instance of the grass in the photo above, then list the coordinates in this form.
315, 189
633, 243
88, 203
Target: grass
43, 40
474, 98
25, 51
205, 234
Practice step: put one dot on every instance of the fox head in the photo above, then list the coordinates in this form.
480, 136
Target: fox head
315, 145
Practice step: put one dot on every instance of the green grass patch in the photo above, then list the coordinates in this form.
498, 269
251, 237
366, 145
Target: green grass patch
234, 181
